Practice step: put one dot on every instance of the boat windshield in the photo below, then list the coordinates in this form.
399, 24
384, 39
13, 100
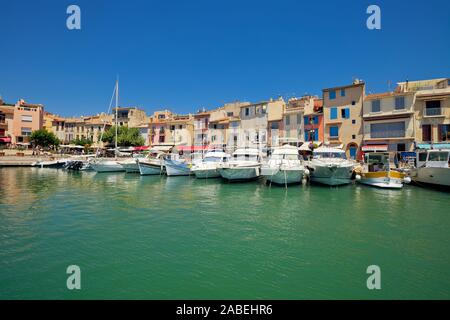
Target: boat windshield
377, 162
335, 155
245, 157
438, 156
212, 159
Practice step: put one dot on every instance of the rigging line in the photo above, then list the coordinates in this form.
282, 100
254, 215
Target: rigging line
104, 122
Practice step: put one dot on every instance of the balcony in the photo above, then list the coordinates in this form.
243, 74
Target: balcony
433, 112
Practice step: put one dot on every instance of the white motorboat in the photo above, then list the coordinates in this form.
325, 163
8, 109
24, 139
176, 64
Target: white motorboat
284, 166
106, 165
177, 165
377, 172
130, 165
208, 167
432, 167
151, 165
330, 166
244, 164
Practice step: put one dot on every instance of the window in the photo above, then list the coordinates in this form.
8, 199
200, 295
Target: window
399, 103
306, 119
27, 118
387, 130
433, 108
376, 106
299, 118
180, 126
444, 132
345, 113
353, 136
247, 111
229, 114
342, 92
172, 128
353, 102
353, 121
334, 131
332, 95
426, 133
438, 156
26, 132
316, 120
274, 125
288, 120
333, 113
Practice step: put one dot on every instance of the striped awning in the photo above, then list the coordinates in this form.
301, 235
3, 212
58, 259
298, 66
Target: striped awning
375, 147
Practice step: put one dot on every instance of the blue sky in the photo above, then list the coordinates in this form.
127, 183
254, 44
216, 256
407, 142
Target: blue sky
184, 55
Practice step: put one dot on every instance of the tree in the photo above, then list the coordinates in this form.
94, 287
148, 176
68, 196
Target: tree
125, 136
44, 139
82, 142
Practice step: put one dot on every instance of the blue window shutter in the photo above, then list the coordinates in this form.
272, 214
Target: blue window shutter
316, 135
316, 120
333, 113
334, 131
332, 95
342, 92
306, 136
347, 113
306, 120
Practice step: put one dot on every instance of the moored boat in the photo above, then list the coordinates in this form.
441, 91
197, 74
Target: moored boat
208, 167
432, 167
245, 164
377, 172
284, 166
330, 166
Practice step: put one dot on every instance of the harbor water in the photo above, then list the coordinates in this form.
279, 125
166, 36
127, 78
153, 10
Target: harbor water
158, 237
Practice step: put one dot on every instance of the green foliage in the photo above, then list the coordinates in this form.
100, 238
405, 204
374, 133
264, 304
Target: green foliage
125, 137
43, 138
82, 142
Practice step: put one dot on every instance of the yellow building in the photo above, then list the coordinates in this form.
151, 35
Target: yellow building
389, 122
431, 107
342, 112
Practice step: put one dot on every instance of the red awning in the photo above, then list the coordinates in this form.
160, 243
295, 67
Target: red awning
141, 148
5, 140
191, 148
375, 147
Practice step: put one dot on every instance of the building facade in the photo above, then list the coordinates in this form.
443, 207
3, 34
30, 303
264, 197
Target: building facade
27, 118
129, 116
431, 109
6, 123
313, 122
342, 113
389, 122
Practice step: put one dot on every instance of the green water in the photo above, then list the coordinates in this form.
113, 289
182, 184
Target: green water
181, 238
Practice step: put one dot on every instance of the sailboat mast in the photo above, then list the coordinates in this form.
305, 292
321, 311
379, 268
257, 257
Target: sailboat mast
117, 105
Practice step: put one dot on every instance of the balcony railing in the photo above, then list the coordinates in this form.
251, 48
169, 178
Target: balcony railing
433, 112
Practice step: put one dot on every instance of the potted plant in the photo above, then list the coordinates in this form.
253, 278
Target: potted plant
20, 152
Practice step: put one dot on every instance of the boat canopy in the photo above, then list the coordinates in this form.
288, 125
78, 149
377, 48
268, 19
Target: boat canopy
286, 149
375, 147
252, 152
328, 150
427, 146
163, 148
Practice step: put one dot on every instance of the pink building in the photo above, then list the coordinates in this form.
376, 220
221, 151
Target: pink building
27, 118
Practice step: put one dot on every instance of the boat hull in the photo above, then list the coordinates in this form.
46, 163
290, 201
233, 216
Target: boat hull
107, 166
383, 179
432, 175
283, 176
130, 167
175, 168
149, 169
206, 173
331, 175
240, 173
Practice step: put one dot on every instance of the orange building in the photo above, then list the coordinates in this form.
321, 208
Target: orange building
27, 118
313, 122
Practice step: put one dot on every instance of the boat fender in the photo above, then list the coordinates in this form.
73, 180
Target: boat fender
407, 179
358, 177
306, 172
